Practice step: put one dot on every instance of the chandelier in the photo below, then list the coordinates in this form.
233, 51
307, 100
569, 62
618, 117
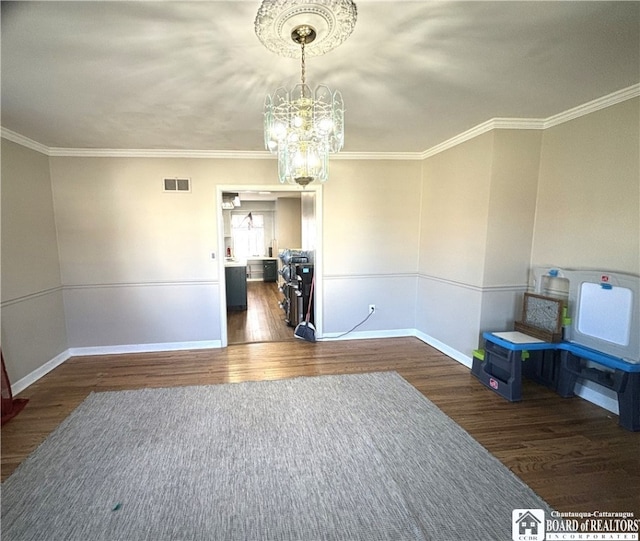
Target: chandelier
302, 127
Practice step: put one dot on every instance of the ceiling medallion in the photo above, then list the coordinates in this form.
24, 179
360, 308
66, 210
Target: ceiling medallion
332, 20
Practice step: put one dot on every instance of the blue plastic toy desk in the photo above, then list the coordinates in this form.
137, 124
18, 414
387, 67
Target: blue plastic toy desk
501, 370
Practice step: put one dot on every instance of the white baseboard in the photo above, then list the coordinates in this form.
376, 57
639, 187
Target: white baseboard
34, 376
399, 333
144, 348
366, 335
447, 350
47, 367
596, 397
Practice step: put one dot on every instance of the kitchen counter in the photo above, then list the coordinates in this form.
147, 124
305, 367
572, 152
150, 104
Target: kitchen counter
256, 268
244, 262
235, 263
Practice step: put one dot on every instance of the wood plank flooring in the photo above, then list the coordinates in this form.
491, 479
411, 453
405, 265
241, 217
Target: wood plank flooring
263, 320
569, 451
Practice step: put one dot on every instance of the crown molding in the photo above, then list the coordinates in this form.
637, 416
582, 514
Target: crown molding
536, 123
630, 92
625, 94
489, 125
157, 153
216, 154
23, 141
377, 156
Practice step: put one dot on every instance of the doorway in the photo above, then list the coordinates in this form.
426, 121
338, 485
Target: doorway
263, 320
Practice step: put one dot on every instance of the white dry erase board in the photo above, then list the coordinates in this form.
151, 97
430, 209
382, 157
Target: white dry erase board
604, 312
603, 309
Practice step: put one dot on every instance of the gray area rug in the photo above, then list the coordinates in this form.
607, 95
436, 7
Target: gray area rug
357, 457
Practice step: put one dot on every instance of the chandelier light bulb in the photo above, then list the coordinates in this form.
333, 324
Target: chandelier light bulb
299, 161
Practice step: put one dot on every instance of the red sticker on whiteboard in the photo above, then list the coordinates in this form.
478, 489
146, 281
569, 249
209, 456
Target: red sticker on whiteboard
493, 383
604, 278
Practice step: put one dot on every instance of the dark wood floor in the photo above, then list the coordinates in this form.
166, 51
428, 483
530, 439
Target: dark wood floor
569, 451
263, 320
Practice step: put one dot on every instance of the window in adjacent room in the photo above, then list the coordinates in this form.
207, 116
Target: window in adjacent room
248, 234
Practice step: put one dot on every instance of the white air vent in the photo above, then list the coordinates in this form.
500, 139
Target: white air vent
177, 184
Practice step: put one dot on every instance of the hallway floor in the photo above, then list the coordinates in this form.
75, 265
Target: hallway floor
263, 321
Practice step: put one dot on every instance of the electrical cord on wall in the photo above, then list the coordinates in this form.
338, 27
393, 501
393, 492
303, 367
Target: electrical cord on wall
354, 328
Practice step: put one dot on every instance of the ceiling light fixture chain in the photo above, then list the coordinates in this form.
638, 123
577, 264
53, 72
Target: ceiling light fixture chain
303, 34
302, 63
300, 126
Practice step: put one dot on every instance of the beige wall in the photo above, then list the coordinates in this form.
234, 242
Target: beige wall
478, 199
288, 223
370, 245
136, 261
568, 196
29, 247
121, 237
116, 225
33, 323
588, 206
512, 205
455, 207
371, 217
478, 206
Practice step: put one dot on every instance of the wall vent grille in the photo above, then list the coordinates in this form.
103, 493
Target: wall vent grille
177, 184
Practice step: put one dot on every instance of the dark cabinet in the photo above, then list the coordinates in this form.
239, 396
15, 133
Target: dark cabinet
270, 270
236, 286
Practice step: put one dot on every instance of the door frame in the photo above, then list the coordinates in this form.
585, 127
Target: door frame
316, 190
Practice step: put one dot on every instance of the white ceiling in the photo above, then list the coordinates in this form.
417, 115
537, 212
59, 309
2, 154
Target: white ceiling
193, 75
